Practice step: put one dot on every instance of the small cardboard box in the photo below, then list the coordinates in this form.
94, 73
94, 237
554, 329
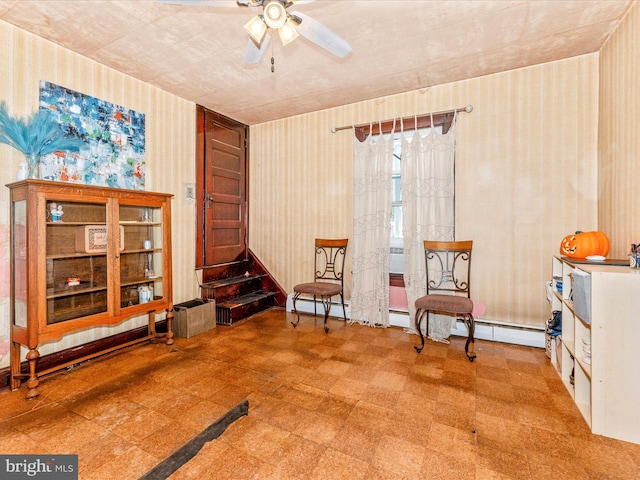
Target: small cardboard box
194, 317
93, 238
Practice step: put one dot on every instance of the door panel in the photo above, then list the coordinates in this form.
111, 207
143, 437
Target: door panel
223, 187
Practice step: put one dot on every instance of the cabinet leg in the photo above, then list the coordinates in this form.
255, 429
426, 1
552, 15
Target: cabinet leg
170, 326
33, 382
15, 365
152, 324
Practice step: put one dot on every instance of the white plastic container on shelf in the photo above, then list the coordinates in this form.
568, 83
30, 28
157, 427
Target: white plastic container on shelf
581, 288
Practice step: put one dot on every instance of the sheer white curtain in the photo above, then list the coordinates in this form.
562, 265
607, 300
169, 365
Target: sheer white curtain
371, 229
428, 187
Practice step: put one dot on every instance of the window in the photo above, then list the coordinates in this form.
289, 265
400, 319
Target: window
423, 123
396, 260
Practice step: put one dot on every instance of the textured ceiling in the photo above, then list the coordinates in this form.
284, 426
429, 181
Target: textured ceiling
197, 52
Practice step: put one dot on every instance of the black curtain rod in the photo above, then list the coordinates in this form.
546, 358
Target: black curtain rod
468, 109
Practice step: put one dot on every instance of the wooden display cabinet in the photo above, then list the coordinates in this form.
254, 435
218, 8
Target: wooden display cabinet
83, 256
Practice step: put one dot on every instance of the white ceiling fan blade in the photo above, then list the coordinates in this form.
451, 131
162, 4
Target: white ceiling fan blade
206, 3
322, 36
253, 54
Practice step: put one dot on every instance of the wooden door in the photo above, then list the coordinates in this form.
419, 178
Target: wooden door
222, 181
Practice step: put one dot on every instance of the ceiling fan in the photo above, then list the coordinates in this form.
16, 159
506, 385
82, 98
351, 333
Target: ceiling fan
275, 16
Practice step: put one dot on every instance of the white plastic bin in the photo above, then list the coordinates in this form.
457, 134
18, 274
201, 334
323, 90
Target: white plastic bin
581, 288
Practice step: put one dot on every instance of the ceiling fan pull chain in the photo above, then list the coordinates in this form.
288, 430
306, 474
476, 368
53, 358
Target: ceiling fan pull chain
273, 61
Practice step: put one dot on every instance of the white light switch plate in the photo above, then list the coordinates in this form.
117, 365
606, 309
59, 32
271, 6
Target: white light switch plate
190, 193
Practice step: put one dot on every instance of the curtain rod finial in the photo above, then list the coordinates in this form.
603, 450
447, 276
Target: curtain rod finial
333, 130
468, 108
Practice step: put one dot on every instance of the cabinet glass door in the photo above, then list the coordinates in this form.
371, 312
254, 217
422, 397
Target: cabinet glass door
76, 259
141, 254
19, 268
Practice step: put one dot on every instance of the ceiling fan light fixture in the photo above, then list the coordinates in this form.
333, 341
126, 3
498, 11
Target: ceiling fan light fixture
275, 15
287, 33
257, 29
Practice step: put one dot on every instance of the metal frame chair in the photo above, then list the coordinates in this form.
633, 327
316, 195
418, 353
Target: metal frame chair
328, 277
448, 274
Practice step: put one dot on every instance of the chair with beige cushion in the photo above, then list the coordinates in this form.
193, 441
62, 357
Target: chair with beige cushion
328, 277
448, 288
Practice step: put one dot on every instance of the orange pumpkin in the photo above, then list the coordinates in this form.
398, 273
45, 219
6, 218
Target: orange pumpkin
584, 244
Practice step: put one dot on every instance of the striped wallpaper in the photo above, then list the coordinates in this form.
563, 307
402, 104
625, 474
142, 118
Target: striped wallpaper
619, 136
170, 152
547, 150
526, 173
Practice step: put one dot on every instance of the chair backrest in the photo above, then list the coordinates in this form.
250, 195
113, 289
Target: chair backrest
329, 259
448, 266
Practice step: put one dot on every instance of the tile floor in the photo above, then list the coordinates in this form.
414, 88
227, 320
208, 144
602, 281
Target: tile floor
358, 403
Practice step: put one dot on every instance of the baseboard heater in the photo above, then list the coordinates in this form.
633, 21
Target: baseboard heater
526, 335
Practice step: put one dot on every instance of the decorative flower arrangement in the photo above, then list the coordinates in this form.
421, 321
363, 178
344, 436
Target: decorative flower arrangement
36, 135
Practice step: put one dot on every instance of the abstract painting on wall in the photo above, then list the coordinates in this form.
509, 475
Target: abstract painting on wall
114, 136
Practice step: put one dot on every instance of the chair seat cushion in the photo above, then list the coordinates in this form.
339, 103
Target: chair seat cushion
321, 289
445, 303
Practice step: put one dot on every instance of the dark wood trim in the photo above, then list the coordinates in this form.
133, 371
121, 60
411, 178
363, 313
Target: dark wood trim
200, 197
396, 280
51, 361
247, 193
269, 283
422, 121
201, 116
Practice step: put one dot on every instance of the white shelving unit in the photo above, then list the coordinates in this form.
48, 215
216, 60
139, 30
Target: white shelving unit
606, 387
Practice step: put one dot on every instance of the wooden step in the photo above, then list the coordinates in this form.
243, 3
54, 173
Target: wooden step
240, 288
244, 306
225, 282
232, 269
224, 289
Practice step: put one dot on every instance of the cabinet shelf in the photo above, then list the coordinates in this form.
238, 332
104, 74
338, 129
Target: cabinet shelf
569, 304
126, 223
586, 367
141, 250
584, 324
64, 256
140, 281
74, 224
83, 287
570, 346
100, 241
